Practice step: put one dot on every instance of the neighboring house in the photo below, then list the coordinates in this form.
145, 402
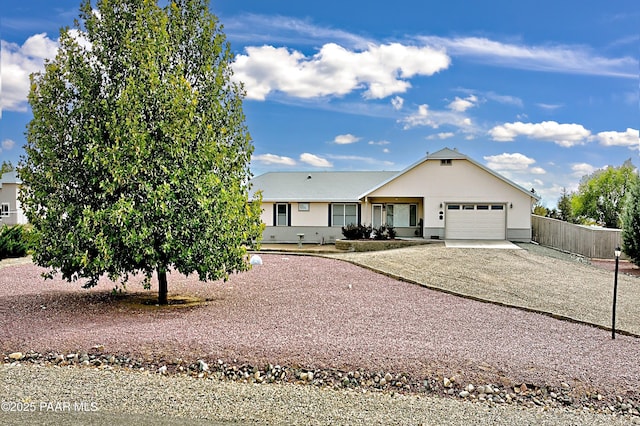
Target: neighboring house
10, 210
446, 195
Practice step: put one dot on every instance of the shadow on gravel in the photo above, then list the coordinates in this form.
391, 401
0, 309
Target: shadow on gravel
64, 304
150, 301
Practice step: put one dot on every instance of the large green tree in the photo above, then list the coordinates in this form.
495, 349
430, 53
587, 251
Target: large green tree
631, 222
601, 195
138, 152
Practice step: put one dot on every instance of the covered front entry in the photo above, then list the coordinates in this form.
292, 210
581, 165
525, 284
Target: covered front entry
471, 221
377, 218
404, 214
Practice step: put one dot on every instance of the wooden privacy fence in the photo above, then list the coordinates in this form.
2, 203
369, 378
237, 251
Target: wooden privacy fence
588, 241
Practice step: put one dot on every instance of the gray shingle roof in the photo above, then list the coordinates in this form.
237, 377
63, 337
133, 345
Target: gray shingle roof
317, 186
345, 186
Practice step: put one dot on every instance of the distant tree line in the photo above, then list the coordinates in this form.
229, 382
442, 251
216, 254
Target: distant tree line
607, 197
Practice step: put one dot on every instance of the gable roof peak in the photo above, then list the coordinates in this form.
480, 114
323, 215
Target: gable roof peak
446, 154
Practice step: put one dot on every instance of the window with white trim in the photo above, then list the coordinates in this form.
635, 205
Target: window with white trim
282, 215
4, 209
303, 207
344, 214
402, 215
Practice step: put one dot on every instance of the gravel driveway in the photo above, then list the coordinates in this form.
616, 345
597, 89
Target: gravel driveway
326, 314
536, 278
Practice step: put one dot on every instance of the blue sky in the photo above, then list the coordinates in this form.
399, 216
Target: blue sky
543, 92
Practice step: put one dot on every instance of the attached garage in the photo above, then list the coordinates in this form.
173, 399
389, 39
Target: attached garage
445, 195
475, 221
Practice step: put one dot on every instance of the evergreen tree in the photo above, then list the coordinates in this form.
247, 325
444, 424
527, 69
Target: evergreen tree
564, 207
631, 222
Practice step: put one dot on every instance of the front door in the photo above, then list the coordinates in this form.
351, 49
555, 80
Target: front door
376, 216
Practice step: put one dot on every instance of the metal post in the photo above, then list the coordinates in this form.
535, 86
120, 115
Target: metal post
615, 293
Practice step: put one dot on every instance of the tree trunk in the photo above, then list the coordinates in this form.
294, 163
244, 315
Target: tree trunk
162, 287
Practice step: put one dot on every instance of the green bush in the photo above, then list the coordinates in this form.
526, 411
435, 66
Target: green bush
384, 232
15, 241
365, 232
357, 232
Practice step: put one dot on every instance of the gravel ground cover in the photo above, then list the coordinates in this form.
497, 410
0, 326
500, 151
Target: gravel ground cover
331, 318
536, 278
132, 398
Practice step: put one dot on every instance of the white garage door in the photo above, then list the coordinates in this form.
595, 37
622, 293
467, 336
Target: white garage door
475, 222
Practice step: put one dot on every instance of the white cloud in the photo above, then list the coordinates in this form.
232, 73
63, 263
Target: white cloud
434, 119
504, 99
254, 28
356, 159
493, 96
314, 160
566, 135
379, 143
17, 63
274, 159
7, 145
630, 138
346, 139
505, 161
397, 103
550, 107
381, 70
572, 59
461, 105
516, 163
582, 169
441, 135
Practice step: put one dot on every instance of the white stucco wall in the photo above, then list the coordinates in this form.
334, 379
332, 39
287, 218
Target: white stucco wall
462, 181
428, 185
317, 215
9, 194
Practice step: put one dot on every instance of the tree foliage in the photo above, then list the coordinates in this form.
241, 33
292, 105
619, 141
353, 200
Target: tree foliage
631, 222
601, 195
15, 241
540, 210
565, 211
6, 167
138, 153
